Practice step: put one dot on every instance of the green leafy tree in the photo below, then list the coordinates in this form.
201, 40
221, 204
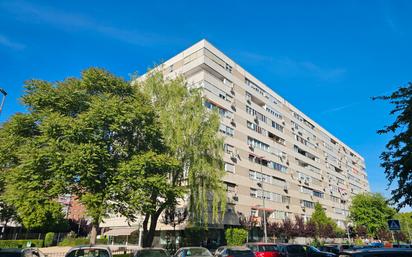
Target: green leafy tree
405, 219
370, 210
190, 132
82, 136
396, 160
325, 226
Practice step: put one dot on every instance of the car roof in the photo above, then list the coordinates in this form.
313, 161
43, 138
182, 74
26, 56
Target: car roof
261, 243
237, 248
79, 247
151, 248
11, 250
192, 247
379, 250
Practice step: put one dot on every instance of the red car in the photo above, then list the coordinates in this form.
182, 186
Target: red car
264, 249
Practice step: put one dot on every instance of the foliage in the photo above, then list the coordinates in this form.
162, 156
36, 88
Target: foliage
82, 137
361, 231
193, 235
325, 226
70, 241
191, 133
383, 234
20, 243
370, 210
405, 220
396, 160
48, 239
236, 236
358, 241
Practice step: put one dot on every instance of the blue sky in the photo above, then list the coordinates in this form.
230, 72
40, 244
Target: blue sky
325, 57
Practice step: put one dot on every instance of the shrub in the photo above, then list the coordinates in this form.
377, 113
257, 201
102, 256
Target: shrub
236, 236
48, 239
70, 241
20, 243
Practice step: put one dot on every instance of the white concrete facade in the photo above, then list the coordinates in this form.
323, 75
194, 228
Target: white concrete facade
268, 140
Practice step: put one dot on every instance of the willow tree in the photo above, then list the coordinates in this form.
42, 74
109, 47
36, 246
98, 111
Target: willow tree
190, 132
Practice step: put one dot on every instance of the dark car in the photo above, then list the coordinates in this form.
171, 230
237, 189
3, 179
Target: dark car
151, 252
264, 249
89, 251
296, 250
234, 251
336, 248
378, 252
193, 251
17, 252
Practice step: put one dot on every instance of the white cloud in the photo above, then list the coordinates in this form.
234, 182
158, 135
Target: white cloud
289, 67
11, 44
67, 21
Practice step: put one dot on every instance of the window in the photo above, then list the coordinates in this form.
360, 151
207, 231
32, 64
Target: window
229, 148
229, 167
306, 190
308, 204
258, 144
274, 113
226, 130
286, 199
228, 68
230, 187
256, 128
277, 126
334, 199
255, 113
253, 193
279, 215
318, 194
222, 112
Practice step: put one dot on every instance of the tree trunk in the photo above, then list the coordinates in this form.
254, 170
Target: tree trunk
148, 240
93, 233
3, 229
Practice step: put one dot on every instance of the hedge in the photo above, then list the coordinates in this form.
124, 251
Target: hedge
236, 236
69, 241
20, 243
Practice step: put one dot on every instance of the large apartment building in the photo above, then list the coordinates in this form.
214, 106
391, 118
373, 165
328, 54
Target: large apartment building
272, 149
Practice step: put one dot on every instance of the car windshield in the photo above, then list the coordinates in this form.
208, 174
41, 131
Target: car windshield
295, 249
88, 253
241, 253
267, 248
313, 249
10, 254
151, 253
197, 252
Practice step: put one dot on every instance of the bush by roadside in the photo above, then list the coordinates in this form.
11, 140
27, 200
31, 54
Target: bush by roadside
20, 243
70, 241
48, 239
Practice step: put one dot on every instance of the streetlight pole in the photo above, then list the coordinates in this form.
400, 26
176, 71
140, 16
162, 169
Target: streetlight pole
264, 214
3, 99
260, 184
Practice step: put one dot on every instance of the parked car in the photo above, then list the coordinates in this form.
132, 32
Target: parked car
89, 251
17, 252
234, 251
193, 251
336, 248
378, 252
296, 250
151, 252
263, 249
401, 246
